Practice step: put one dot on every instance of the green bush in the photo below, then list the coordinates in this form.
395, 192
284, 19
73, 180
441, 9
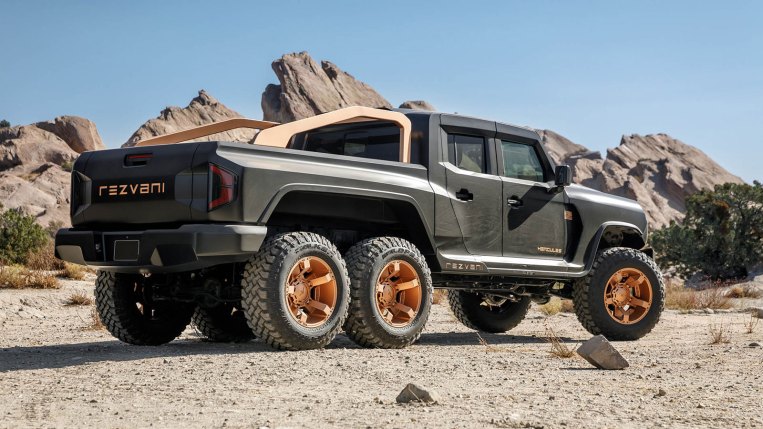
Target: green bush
721, 235
20, 236
4, 124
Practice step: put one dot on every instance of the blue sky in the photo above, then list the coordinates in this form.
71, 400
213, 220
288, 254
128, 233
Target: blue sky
591, 71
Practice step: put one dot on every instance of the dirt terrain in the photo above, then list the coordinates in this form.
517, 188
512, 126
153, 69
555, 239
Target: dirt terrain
56, 373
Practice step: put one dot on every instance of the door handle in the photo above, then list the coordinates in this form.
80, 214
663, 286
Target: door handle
514, 202
464, 195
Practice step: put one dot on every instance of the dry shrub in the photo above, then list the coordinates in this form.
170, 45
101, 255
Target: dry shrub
740, 291
751, 324
558, 348
44, 259
440, 296
15, 277
78, 298
718, 334
678, 297
95, 321
556, 306
73, 271
488, 347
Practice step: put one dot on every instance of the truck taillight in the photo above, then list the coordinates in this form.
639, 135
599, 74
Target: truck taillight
222, 187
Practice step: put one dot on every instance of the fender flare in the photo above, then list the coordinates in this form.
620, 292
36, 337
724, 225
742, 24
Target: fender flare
593, 246
349, 191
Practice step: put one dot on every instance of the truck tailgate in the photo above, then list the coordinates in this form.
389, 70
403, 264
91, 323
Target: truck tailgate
140, 185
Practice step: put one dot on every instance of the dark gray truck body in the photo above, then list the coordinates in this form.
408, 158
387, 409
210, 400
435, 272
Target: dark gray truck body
469, 225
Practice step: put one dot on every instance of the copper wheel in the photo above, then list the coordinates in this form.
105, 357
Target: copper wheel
398, 293
628, 296
311, 291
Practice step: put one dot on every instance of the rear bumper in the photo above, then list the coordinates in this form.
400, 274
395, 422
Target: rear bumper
187, 248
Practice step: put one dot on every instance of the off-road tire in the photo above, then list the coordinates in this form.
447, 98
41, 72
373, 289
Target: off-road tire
223, 324
468, 309
116, 303
365, 325
263, 291
588, 294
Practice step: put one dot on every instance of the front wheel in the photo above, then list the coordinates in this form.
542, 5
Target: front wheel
126, 307
622, 296
488, 313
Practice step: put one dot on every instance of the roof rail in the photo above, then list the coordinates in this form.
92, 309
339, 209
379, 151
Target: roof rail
278, 135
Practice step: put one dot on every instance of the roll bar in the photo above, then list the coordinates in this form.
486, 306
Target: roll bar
278, 135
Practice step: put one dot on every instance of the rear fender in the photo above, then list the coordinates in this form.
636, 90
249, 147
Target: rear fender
399, 200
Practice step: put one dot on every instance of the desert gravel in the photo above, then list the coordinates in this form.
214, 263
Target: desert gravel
56, 373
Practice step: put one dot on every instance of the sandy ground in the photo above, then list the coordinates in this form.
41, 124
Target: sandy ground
55, 374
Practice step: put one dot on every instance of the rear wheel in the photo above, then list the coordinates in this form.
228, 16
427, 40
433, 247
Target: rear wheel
223, 323
488, 313
622, 296
295, 291
126, 307
391, 293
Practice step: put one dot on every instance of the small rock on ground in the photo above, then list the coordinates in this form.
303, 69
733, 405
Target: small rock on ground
416, 393
601, 354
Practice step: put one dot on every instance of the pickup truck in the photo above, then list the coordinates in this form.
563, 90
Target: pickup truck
349, 220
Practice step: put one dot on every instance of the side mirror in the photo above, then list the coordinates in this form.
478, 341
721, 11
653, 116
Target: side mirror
562, 175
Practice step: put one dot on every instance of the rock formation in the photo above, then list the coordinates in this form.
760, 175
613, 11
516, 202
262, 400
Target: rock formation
656, 170
203, 109
560, 148
32, 165
307, 89
418, 105
79, 133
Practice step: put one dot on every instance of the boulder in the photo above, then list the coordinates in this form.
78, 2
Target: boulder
79, 134
43, 192
307, 89
203, 109
601, 354
415, 393
418, 105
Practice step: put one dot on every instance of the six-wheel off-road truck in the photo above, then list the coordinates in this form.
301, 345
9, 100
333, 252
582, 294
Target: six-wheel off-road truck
349, 219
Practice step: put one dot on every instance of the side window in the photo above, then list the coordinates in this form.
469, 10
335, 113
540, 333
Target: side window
520, 161
467, 152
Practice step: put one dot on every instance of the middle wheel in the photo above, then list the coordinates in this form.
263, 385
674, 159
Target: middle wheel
391, 293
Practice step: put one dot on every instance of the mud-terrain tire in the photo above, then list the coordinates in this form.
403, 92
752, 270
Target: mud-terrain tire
382, 318
223, 323
121, 304
280, 287
609, 319
469, 309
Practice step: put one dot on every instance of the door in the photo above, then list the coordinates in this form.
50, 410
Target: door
534, 223
475, 192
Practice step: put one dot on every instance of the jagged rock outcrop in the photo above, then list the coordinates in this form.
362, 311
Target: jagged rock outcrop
561, 148
418, 105
203, 109
32, 160
307, 89
656, 170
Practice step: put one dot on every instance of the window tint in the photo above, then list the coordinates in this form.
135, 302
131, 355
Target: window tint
467, 152
381, 142
521, 161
